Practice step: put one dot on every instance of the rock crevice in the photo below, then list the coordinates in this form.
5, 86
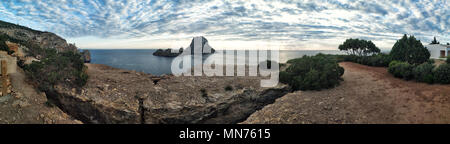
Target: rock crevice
114, 96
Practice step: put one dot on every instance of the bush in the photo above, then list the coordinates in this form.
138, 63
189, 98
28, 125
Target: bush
431, 61
57, 68
424, 73
401, 70
228, 88
442, 74
3, 46
448, 60
347, 58
312, 73
410, 50
379, 60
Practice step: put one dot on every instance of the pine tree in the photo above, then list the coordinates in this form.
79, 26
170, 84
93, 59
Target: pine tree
434, 41
410, 50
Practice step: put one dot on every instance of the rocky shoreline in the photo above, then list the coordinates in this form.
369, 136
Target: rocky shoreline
116, 96
120, 96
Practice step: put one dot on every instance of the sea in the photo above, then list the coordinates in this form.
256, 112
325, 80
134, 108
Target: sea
143, 60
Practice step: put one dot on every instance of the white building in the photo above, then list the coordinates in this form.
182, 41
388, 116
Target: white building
438, 50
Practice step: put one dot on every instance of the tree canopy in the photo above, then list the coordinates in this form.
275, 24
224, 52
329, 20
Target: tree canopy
359, 47
434, 41
411, 50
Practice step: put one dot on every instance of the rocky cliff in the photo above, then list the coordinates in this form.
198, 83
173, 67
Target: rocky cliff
120, 96
42, 39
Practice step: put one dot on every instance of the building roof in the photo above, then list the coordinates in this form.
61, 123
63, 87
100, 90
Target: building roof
442, 45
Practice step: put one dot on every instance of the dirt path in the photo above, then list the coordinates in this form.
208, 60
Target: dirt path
25, 105
368, 95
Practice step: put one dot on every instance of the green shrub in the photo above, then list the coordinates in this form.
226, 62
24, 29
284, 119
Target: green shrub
442, 74
285, 77
448, 60
57, 68
312, 73
348, 58
3, 46
379, 60
424, 73
410, 50
401, 70
392, 63
364, 60
310, 81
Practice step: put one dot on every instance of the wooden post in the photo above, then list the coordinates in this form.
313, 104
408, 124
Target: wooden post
4, 78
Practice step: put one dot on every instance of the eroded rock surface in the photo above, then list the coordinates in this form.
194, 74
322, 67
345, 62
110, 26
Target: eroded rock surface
119, 96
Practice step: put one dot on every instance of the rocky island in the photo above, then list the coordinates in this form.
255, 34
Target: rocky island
198, 44
167, 52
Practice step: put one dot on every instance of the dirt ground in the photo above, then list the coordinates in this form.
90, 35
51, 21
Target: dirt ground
26, 105
367, 95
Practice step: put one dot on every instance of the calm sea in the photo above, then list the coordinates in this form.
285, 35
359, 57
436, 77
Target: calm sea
143, 60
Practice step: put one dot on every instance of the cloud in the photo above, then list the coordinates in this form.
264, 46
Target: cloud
294, 23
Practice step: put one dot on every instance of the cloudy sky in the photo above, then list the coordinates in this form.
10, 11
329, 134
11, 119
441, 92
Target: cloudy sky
301, 25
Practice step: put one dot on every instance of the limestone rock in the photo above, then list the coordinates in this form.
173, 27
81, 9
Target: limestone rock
198, 44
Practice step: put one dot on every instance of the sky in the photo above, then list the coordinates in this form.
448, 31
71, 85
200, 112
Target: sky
232, 24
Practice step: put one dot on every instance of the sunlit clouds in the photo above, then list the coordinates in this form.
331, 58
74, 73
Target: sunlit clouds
302, 25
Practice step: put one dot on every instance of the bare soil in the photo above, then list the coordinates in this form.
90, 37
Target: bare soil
26, 105
367, 95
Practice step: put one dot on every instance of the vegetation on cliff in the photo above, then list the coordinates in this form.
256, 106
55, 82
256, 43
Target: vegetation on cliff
66, 68
55, 65
3, 46
8, 25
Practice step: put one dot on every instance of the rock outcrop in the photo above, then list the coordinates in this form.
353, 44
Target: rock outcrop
167, 53
200, 45
120, 96
86, 56
42, 39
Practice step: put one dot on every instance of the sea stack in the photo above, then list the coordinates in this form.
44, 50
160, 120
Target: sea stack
198, 45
